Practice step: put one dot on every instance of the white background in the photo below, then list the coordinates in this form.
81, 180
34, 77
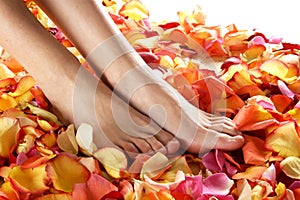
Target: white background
277, 17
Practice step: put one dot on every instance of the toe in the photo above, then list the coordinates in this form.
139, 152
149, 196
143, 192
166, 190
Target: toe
156, 145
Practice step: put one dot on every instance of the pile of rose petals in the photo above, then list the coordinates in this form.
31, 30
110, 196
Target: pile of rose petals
223, 70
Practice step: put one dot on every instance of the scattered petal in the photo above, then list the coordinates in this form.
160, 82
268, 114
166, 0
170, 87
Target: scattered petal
65, 172
112, 159
8, 135
291, 167
66, 140
30, 180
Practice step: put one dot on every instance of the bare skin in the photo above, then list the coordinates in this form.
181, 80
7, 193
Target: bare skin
55, 68
196, 130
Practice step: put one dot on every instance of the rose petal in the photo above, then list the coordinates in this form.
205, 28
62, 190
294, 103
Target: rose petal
135, 10
252, 173
55, 196
276, 68
243, 189
214, 160
84, 139
30, 180
281, 102
291, 167
253, 117
65, 172
5, 72
112, 159
91, 189
43, 113
7, 102
254, 151
178, 164
192, 186
155, 166
8, 135
217, 184
285, 90
66, 140
285, 140
24, 85
8, 192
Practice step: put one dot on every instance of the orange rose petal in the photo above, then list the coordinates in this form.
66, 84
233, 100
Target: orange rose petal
48, 139
7, 83
24, 85
13, 65
10, 193
66, 140
254, 151
39, 97
295, 86
36, 161
7, 102
291, 167
253, 117
251, 173
254, 52
276, 68
250, 90
24, 99
284, 140
30, 180
281, 102
295, 113
293, 72
8, 135
65, 172
135, 10
239, 80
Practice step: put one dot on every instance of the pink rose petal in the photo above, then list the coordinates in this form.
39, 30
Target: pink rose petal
217, 184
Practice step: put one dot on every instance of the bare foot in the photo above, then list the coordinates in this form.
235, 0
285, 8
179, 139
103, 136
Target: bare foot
198, 131
114, 122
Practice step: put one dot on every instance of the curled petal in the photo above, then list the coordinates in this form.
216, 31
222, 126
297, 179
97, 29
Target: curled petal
155, 166
112, 159
84, 139
253, 117
24, 85
66, 140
